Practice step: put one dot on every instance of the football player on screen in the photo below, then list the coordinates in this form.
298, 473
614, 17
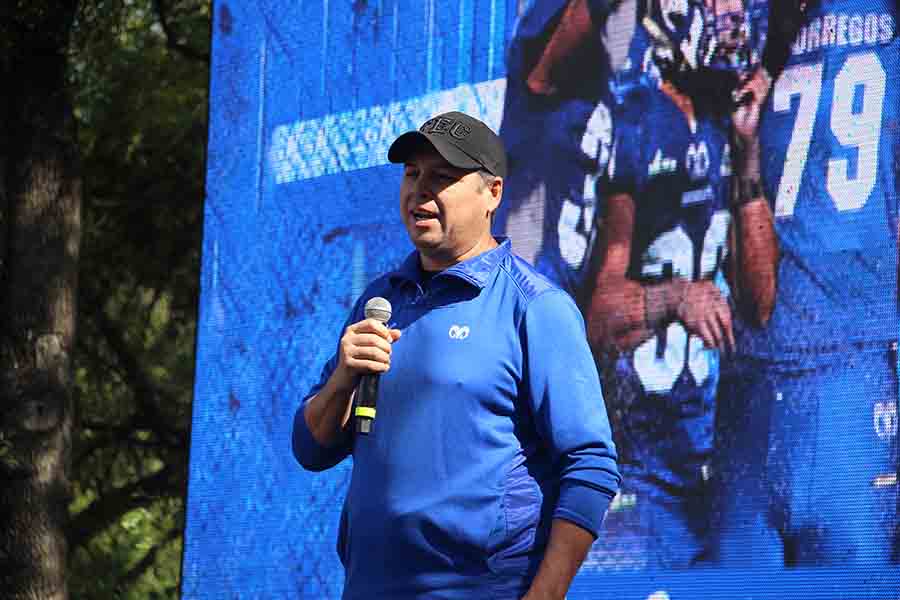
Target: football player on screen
807, 424
557, 128
687, 233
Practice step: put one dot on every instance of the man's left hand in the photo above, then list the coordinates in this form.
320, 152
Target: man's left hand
749, 99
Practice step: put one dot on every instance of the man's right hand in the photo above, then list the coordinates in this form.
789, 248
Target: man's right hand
704, 312
365, 348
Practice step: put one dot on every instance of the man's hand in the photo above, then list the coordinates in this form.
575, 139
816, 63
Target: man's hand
749, 97
365, 348
704, 312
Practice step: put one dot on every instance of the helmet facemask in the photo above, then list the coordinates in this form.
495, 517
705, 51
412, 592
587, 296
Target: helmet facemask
706, 47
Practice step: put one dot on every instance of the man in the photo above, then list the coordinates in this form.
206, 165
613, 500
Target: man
678, 223
490, 465
557, 128
808, 424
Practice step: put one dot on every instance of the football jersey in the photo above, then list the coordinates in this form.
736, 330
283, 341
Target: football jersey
678, 176
831, 145
639, 69
555, 149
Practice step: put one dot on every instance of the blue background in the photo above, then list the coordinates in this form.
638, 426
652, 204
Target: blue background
301, 212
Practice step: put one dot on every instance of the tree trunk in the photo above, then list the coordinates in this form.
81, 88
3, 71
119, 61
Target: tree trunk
39, 245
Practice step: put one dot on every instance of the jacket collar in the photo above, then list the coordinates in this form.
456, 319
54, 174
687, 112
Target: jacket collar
475, 271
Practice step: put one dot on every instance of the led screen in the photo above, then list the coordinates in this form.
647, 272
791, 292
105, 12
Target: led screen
765, 470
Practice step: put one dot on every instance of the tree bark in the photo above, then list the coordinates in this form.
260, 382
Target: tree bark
41, 194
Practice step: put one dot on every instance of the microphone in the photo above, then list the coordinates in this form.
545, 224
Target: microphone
379, 309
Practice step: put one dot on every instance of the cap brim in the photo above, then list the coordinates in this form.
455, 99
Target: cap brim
412, 141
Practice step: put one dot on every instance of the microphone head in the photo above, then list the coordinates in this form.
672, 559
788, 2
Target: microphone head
378, 308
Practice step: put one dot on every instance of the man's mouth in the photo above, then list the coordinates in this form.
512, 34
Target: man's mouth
423, 215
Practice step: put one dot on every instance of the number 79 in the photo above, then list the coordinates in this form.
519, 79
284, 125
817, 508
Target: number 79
860, 130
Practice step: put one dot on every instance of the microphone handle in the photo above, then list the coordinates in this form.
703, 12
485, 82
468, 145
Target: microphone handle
364, 413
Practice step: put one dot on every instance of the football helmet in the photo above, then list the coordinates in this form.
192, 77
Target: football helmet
737, 33
706, 45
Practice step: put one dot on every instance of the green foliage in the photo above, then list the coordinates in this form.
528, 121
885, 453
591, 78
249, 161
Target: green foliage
140, 90
8, 460
136, 559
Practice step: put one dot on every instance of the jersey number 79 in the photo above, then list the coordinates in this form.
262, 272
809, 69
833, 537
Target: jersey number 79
859, 129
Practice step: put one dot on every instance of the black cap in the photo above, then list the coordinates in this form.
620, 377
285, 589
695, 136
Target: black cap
463, 141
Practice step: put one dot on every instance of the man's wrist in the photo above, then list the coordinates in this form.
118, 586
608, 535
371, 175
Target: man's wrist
566, 550
745, 190
661, 302
655, 310
342, 382
746, 156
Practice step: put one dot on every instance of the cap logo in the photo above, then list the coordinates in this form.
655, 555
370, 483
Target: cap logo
444, 126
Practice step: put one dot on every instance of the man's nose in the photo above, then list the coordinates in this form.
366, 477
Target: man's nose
421, 192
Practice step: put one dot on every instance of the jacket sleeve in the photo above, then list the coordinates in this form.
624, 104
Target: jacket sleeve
312, 455
568, 408
309, 453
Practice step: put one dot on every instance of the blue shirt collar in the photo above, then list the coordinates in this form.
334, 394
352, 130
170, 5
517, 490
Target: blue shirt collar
474, 271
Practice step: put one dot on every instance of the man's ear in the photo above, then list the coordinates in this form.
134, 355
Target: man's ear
496, 188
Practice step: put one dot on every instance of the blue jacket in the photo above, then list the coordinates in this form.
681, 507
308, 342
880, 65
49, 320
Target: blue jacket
490, 423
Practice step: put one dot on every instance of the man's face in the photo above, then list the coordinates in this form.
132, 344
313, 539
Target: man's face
446, 210
731, 29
